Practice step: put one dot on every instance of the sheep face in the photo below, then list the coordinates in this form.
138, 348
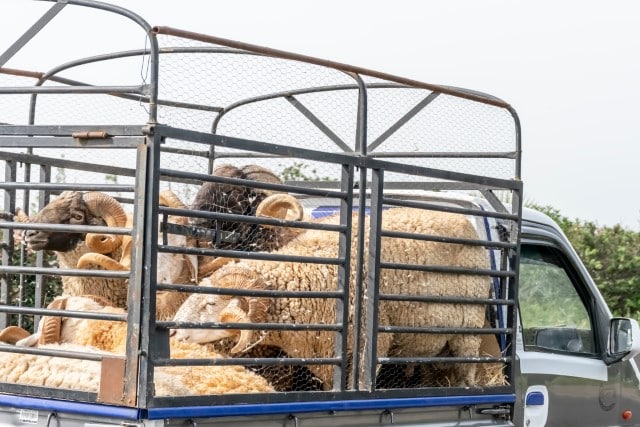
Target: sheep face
201, 308
74, 208
233, 199
224, 308
223, 198
68, 208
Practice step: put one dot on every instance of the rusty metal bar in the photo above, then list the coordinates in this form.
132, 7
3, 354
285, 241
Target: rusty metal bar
473, 96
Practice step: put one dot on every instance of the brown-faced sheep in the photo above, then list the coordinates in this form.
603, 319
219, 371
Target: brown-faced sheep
80, 208
292, 276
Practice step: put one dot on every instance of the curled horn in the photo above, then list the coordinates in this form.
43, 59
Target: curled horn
102, 260
13, 334
170, 199
51, 327
278, 206
244, 309
20, 216
109, 209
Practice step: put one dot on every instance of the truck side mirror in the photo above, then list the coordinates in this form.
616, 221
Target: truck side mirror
624, 338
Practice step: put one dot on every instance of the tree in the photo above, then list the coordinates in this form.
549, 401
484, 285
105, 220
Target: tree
612, 257
22, 288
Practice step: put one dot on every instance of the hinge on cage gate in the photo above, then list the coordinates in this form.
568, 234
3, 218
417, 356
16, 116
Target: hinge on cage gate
93, 134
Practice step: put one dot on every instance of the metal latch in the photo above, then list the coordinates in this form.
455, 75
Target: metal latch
92, 134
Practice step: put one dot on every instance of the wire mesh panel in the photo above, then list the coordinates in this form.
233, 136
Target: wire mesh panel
284, 227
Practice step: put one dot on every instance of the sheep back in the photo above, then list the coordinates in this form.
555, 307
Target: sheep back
294, 276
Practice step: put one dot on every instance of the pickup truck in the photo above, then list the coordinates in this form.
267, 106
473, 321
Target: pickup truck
354, 147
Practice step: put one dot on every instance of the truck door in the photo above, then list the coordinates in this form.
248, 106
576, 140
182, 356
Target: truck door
563, 379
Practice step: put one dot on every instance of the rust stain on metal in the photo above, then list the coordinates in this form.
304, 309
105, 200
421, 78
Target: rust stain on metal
95, 134
474, 96
112, 380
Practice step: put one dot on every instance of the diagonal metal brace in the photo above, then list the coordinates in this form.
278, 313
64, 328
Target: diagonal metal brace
31, 32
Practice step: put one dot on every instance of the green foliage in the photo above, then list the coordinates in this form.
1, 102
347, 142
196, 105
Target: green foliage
547, 297
612, 257
22, 287
301, 172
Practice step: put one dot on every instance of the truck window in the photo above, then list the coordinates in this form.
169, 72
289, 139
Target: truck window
553, 314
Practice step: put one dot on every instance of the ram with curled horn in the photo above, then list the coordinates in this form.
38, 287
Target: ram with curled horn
269, 237
242, 198
81, 208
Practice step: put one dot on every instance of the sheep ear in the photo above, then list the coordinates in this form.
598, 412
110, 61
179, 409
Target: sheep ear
13, 334
211, 266
20, 216
51, 327
29, 341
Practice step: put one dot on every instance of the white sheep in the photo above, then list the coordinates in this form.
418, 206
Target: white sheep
109, 338
292, 276
84, 375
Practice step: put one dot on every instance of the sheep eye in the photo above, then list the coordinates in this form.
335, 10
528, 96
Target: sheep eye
210, 303
77, 217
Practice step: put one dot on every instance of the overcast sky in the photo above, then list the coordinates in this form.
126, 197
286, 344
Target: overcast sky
571, 69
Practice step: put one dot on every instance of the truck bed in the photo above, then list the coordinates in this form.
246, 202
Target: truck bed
354, 146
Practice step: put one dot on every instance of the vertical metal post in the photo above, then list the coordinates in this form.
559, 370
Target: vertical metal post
514, 264
361, 146
137, 302
40, 280
147, 189
7, 240
373, 281
344, 275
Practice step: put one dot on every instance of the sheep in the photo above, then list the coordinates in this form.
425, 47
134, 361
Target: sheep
241, 200
85, 375
293, 276
81, 208
182, 268
109, 338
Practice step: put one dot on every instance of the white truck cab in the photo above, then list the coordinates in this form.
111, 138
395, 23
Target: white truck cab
575, 362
